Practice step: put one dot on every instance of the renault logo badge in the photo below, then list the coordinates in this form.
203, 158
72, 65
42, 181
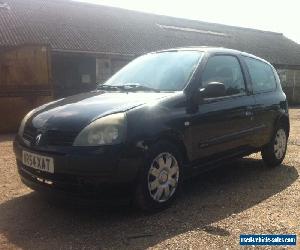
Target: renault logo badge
38, 139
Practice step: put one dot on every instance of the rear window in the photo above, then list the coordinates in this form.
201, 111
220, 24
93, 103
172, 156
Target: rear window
262, 75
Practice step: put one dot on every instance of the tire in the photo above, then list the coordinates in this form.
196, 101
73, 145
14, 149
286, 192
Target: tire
274, 152
160, 178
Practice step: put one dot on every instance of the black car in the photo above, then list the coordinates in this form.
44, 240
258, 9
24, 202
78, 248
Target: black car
163, 118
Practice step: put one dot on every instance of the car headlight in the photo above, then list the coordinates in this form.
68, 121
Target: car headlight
107, 130
23, 122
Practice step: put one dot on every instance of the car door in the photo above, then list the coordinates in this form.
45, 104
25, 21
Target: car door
222, 123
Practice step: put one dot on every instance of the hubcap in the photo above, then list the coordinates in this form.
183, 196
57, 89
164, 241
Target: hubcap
280, 144
163, 177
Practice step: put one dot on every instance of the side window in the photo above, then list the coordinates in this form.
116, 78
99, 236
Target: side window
262, 75
226, 70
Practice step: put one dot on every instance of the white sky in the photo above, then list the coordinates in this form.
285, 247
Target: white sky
273, 15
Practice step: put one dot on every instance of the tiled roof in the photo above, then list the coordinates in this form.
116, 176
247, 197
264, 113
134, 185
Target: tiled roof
68, 25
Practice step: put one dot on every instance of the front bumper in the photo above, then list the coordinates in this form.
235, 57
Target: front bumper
90, 172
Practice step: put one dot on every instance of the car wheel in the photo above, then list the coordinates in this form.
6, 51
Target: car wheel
274, 152
160, 178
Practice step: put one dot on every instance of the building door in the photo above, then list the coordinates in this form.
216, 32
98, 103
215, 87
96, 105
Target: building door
25, 83
103, 69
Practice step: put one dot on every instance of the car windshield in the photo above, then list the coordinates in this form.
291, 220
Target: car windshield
164, 71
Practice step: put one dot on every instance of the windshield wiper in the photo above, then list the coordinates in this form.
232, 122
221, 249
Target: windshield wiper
107, 87
136, 87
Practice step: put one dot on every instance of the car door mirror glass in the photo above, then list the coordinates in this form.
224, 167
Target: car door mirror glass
213, 89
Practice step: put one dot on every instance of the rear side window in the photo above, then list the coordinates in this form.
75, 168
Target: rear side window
227, 70
262, 75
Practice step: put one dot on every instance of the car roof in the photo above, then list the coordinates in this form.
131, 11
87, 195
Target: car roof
208, 49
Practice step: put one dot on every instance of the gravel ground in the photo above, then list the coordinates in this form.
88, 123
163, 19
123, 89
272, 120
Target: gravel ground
211, 213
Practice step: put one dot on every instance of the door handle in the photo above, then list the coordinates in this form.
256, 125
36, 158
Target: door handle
248, 113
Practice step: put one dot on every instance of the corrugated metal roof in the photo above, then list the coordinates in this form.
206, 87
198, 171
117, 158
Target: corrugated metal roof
67, 25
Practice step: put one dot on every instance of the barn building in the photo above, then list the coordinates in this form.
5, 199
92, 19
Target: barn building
52, 49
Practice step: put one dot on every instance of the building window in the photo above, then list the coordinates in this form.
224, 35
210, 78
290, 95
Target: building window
283, 76
86, 78
118, 64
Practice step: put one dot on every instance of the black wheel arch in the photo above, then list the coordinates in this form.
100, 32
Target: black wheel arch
284, 120
173, 137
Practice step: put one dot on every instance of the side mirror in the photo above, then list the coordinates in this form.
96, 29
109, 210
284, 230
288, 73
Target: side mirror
213, 89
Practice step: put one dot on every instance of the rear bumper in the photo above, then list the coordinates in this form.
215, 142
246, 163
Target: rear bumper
94, 172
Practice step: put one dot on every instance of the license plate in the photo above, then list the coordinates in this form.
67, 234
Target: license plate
39, 162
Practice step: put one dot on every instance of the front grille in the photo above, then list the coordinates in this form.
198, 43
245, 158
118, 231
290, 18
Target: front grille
30, 133
59, 138
49, 137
